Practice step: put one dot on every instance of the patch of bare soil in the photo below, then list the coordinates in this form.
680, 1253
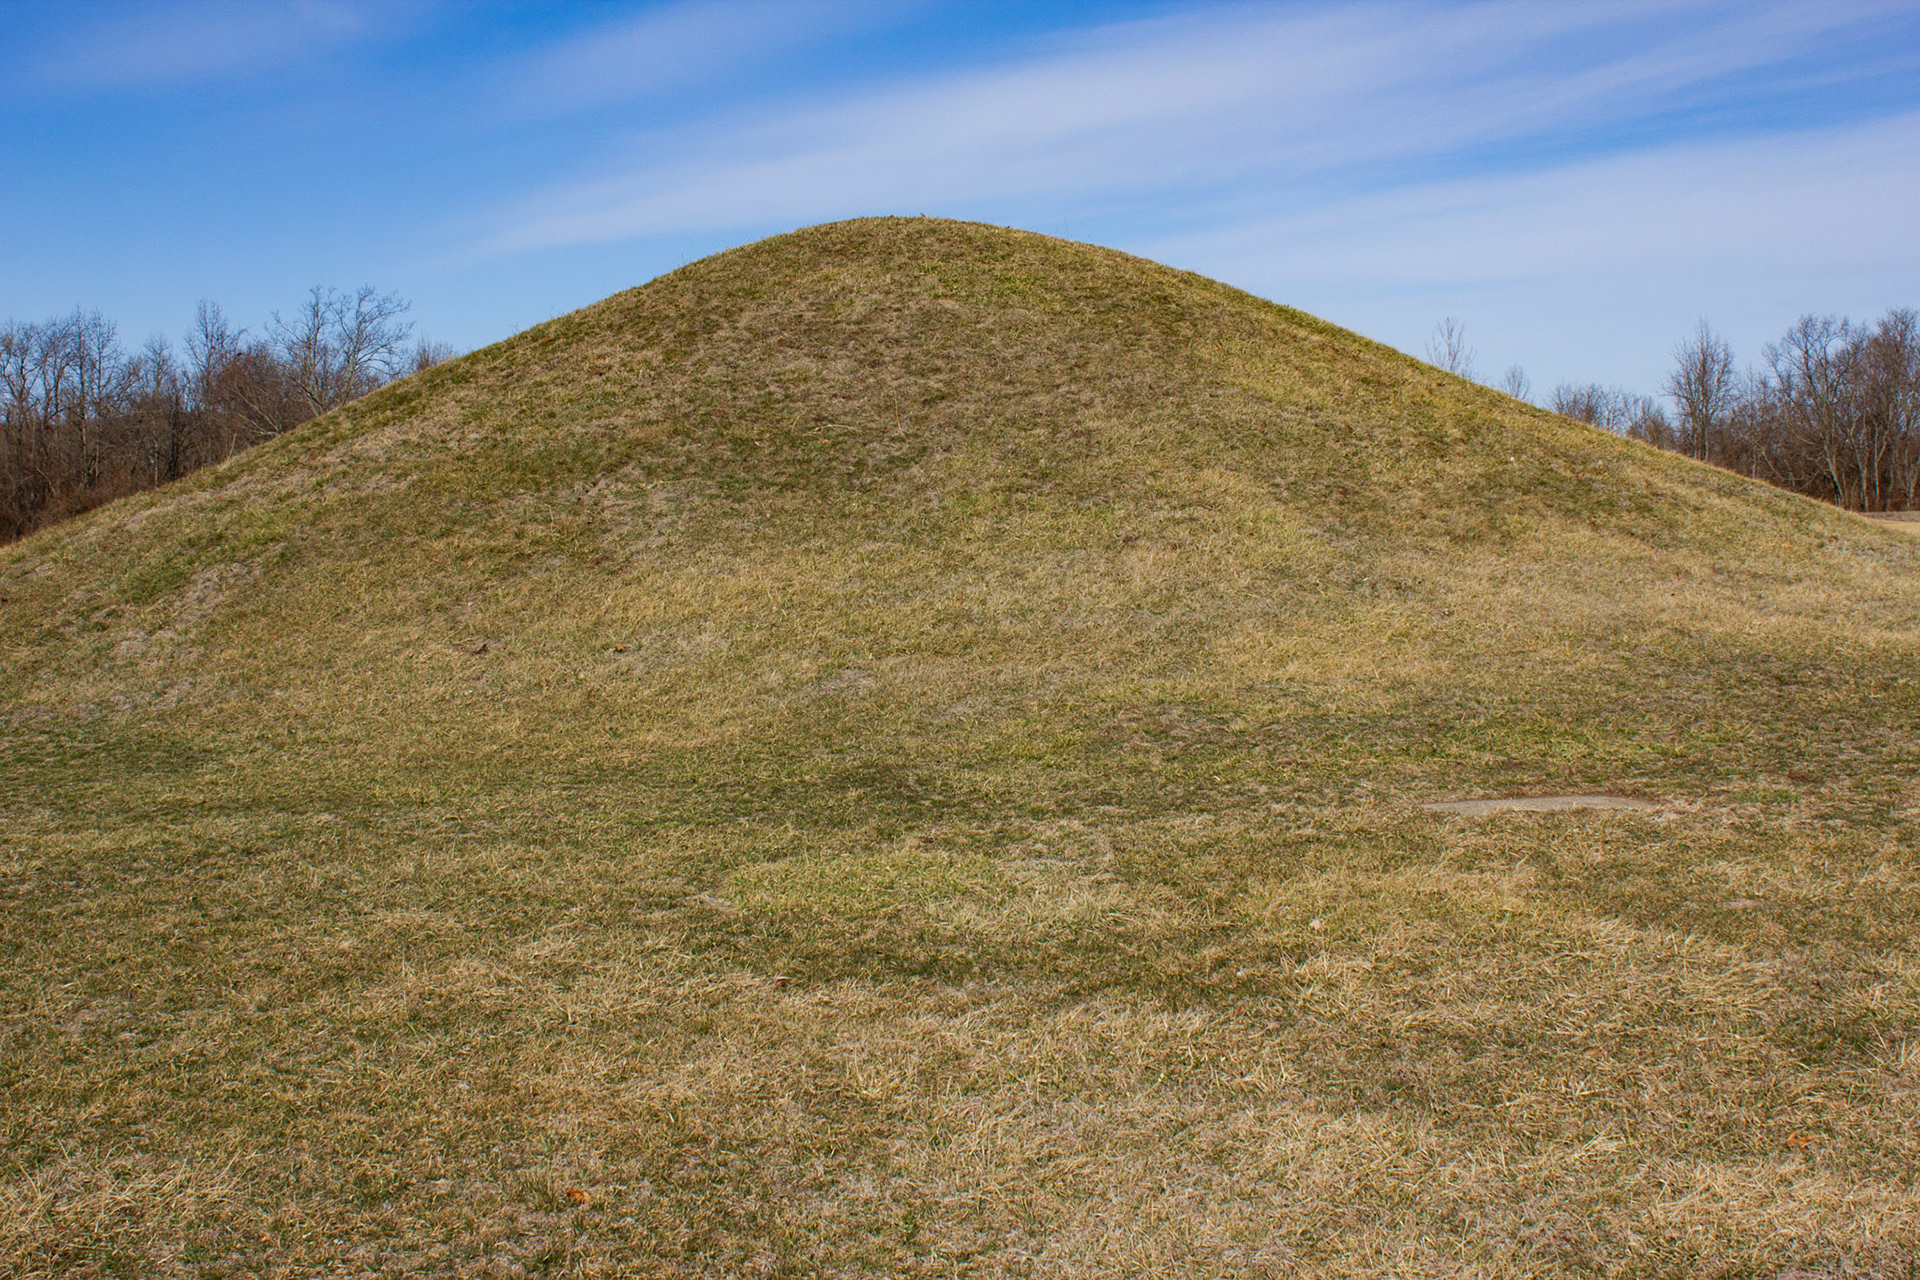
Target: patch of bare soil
1538, 804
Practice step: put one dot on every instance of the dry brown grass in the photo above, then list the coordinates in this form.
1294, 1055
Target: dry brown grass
897, 750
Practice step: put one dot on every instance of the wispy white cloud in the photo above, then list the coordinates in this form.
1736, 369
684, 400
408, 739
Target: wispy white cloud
1254, 103
1590, 268
1787, 200
145, 45
676, 46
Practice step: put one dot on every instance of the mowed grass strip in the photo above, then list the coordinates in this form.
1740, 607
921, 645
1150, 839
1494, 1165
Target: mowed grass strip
898, 750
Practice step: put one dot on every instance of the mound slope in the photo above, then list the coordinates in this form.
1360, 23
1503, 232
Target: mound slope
898, 748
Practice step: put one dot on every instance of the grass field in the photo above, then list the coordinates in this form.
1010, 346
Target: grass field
897, 750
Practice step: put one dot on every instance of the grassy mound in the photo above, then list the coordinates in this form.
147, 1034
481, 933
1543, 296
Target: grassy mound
897, 749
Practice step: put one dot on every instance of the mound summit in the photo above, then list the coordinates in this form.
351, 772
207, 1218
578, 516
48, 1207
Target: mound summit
898, 749
867, 423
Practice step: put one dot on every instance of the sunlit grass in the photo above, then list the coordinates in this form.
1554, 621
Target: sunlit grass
897, 750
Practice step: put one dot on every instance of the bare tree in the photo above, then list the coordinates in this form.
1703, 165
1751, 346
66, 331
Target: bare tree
211, 343
1814, 387
1889, 400
1621, 412
20, 433
371, 340
82, 421
1587, 402
213, 348
427, 354
98, 371
1448, 348
43, 400
1704, 388
339, 346
1641, 418
1516, 383
1753, 439
160, 406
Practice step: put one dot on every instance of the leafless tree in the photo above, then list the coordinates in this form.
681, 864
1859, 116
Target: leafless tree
1887, 400
1704, 387
1754, 441
99, 376
1516, 383
214, 350
339, 346
83, 421
1621, 412
160, 405
1587, 402
211, 343
1815, 389
427, 354
1448, 348
20, 428
1641, 418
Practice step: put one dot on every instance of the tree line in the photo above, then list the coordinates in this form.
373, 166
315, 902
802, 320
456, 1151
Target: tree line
1831, 411
84, 421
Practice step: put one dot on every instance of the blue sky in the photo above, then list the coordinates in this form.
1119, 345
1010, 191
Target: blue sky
1577, 183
